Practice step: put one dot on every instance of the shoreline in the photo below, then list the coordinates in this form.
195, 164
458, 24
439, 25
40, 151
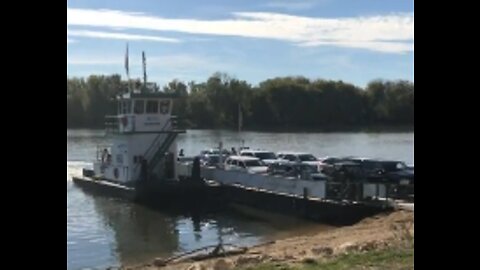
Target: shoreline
387, 232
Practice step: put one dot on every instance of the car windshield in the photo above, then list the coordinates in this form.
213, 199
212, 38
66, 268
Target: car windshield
402, 166
394, 166
371, 165
253, 163
310, 168
215, 151
214, 159
266, 155
304, 158
331, 160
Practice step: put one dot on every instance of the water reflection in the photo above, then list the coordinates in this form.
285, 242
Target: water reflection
140, 233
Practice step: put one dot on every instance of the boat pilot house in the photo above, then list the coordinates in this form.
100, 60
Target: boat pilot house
143, 143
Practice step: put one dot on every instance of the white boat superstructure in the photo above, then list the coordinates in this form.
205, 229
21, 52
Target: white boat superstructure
143, 140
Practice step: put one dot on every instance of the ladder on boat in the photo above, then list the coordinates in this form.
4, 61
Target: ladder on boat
156, 152
160, 153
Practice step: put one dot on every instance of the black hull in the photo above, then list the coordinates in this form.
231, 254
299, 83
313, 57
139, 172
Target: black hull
179, 194
197, 196
329, 212
154, 193
105, 188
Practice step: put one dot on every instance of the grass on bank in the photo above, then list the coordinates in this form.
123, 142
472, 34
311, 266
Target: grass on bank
394, 258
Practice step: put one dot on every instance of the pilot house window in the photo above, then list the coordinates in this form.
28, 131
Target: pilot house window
152, 106
126, 107
139, 106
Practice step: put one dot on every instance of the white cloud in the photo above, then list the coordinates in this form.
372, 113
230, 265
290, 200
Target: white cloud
116, 35
70, 41
295, 5
389, 33
389, 47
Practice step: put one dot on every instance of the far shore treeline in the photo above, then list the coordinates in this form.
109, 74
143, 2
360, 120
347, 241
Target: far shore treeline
290, 103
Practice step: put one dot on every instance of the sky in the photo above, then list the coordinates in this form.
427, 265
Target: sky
349, 40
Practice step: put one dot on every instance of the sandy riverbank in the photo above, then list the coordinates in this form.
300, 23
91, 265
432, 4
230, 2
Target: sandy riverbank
376, 233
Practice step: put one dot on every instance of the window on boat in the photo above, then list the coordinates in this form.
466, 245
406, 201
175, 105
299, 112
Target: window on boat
119, 107
152, 106
139, 107
120, 159
126, 107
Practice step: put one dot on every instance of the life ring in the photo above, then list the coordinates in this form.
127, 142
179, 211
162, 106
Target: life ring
116, 173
